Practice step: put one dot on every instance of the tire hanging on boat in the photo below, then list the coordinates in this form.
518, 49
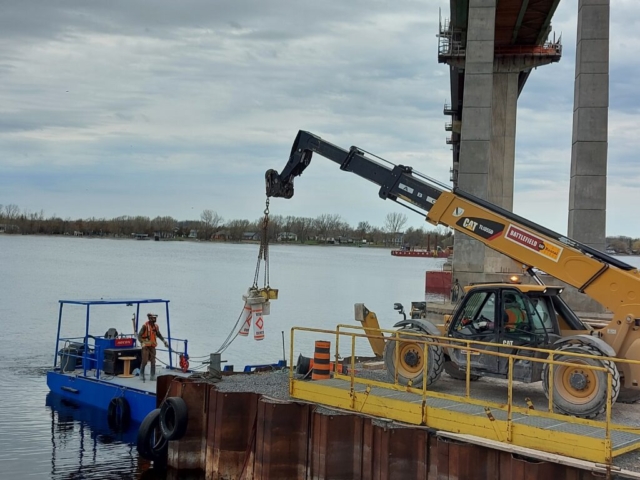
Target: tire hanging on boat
174, 417
151, 444
119, 414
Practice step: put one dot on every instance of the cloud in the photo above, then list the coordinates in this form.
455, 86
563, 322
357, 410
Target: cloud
173, 107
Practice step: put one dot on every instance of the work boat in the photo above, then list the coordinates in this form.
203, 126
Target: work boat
103, 370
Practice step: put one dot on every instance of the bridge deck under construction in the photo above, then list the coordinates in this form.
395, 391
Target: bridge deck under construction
591, 440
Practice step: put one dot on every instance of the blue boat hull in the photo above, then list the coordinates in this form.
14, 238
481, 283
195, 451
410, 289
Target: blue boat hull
98, 394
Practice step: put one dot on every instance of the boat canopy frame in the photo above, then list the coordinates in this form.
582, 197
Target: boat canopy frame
129, 302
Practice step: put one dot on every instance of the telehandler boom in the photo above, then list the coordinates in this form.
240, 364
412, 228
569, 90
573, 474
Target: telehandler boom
548, 323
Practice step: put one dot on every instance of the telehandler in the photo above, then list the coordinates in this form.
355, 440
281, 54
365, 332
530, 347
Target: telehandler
509, 315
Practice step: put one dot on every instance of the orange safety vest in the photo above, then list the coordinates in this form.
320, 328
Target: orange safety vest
515, 317
148, 337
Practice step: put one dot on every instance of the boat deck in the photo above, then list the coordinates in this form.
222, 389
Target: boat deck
133, 383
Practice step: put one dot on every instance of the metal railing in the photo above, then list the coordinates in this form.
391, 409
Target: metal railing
92, 352
470, 347
451, 43
548, 49
448, 47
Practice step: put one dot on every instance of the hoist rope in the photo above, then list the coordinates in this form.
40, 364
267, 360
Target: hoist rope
263, 255
263, 252
231, 337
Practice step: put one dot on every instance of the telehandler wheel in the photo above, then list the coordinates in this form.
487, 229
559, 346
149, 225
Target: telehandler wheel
411, 359
579, 391
628, 395
454, 372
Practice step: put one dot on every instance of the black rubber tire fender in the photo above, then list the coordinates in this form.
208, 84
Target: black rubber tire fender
174, 418
150, 443
303, 366
435, 360
119, 414
599, 404
453, 371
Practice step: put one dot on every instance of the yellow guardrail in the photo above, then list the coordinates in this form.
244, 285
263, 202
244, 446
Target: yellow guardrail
470, 347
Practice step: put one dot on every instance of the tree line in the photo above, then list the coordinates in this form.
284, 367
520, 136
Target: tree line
623, 245
212, 226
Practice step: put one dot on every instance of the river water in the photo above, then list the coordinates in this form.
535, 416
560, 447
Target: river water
41, 437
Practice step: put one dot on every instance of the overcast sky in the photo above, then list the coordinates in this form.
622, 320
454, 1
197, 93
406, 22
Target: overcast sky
160, 107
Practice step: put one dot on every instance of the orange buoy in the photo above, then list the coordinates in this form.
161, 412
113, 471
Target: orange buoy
321, 361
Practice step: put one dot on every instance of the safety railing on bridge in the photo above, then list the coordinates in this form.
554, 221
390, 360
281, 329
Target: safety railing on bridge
452, 43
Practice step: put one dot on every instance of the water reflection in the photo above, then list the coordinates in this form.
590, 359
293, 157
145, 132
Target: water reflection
159, 474
83, 445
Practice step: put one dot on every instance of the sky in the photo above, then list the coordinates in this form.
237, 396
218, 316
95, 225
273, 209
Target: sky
169, 108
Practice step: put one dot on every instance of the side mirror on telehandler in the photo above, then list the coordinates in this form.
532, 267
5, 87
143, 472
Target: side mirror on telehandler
400, 309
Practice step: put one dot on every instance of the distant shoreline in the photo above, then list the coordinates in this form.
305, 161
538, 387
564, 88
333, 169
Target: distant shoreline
236, 242
311, 243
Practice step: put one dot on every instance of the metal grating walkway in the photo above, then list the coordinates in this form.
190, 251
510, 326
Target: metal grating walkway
553, 433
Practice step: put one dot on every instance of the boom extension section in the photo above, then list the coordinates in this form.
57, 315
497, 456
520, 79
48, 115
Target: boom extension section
395, 182
611, 282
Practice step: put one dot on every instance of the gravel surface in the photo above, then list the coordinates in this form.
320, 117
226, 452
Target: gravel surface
271, 384
276, 385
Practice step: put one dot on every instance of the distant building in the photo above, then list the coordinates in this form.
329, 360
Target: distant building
250, 236
9, 228
287, 237
193, 234
344, 239
221, 235
397, 239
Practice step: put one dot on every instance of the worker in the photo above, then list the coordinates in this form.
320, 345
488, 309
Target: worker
514, 316
147, 337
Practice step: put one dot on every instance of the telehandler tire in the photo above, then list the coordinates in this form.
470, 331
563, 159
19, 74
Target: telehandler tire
453, 371
411, 359
579, 391
628, 395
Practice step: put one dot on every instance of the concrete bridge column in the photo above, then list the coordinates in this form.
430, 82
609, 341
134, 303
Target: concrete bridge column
487, 138
502, 155
588, 186
475, 135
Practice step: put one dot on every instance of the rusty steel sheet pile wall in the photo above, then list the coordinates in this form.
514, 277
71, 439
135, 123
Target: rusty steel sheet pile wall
243, 436
189, 452
231, 431
281, 440
474, 462
337, 447
400, 453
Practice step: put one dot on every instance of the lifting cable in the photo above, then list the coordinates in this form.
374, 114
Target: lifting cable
263, 255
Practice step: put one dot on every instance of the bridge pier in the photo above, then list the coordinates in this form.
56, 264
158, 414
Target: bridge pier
492, 75
588, 186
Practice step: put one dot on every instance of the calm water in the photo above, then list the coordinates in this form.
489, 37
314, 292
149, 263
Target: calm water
41, 437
